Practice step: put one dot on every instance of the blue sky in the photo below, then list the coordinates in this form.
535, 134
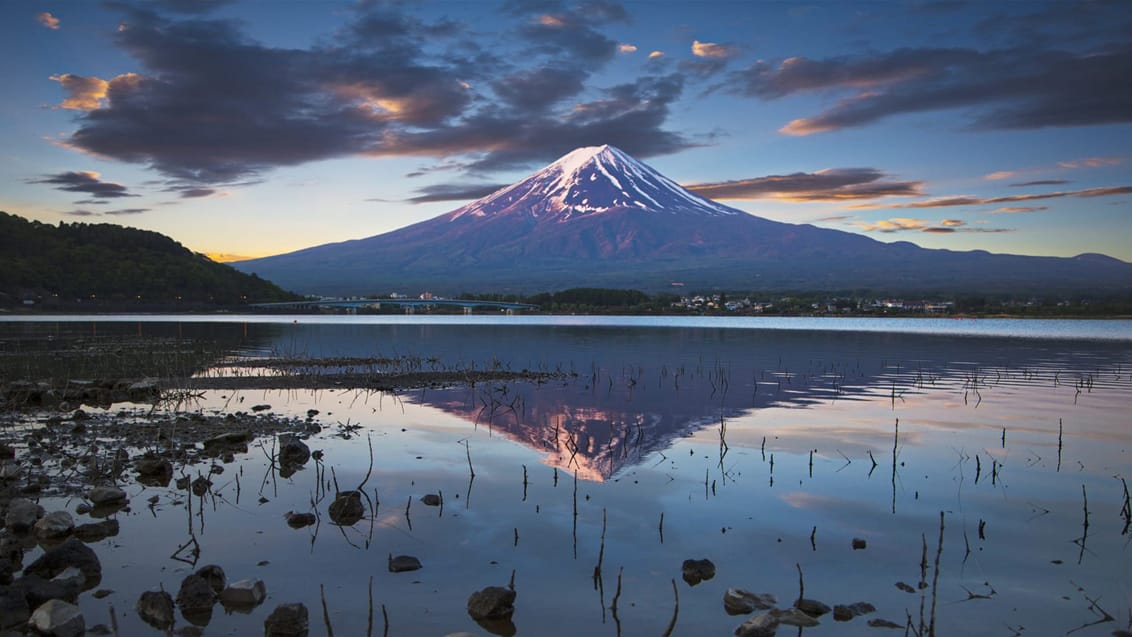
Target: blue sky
249, 128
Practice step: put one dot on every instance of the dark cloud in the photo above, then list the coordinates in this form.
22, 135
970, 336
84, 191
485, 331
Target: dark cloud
92, 202
84, 181
454, 192
190, 6
1041, 182
209, 106
945, 202
126, 211
194, 193
81, 213
1015, 88
836, 184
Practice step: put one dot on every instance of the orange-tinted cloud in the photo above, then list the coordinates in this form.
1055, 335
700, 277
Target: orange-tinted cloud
906, 224
1018, 209
713, 50
225, 257
944, 202
627, 48
89, 93
656, 54
48, 20
1092, 162
1001, 174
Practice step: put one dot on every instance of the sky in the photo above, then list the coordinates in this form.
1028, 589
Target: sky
245, 128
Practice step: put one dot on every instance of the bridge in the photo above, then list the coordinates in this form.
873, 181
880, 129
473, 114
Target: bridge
410, 305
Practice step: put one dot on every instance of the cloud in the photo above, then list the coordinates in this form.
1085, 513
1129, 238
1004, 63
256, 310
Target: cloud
1001, 89
1092, 162
196, 193
81, 213
1002, 174
92, 202
656, 54
210, 106
1041, 182
627, 48
713, 50
454, 192
964, 200
48, 20
126, 211
834, 184
906, 224
84, 181
1018, 209
226, 257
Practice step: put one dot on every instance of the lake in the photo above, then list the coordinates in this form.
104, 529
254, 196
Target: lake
986, 458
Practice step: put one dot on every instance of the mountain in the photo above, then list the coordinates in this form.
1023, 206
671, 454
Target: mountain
104, 264
599, 218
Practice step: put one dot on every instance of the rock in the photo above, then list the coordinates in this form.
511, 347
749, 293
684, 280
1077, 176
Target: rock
229, 440
71, 576
54, 525
905, 587
153, 470
737, 601
215, 577
798, 617
347, 508
299, 520
764, 625
106, 495
38, 590
844, 613
14, 609
245, 593
70, 553
287, 620
22, 515
201, 485
292, 451
696, 571
259, 408
859, 544
811, 607
884, 623
403, 563
143, 389
493, 602
97, 531
156, 609
58, 619
196, 594
431, 500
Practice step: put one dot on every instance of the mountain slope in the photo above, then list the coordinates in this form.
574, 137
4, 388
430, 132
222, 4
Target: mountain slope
105, 263
597, 217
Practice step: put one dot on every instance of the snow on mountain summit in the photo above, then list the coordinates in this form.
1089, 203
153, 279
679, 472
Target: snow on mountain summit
591, 180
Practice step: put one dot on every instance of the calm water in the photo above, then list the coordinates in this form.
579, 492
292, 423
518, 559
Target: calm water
765, 444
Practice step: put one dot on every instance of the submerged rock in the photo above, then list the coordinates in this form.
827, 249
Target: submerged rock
287, 620
156, 609
106, 495
493, 602
763, 625
737, 601
431, 500
696, 571
859, 544
347, 508
299, 520
812, 607
58, 619
844, 613
403, 563
70, 553
215, 577
96, 531
292, 451
245, 593
195, 595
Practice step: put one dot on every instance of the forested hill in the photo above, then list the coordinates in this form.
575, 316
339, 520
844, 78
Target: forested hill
109, 265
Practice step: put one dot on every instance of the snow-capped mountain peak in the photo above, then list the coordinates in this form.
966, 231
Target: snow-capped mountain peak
592, 180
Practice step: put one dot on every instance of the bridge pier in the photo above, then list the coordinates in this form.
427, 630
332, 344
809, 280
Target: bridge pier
467, 310
409, 309
510, 312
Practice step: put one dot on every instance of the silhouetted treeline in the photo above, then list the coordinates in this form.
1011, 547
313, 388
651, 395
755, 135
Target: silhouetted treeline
108, 265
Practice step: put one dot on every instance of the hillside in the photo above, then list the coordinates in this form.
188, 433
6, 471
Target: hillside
106, 264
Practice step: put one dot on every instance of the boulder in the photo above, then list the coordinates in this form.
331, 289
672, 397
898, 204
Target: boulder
292, 451
22, 515
196, 594
299, 520
812, 607
493, 602
107, 495
38, 590
70, 553
58, 619
14, 609
153, 470
96, 531
797, 617
215, 577
245, 593
844, 613
347, 508
54, 525
287, 620
431, 500
156, 609
696, 571
737, 601
403, 563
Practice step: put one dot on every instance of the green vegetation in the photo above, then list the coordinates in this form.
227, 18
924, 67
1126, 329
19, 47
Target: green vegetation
104, 266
